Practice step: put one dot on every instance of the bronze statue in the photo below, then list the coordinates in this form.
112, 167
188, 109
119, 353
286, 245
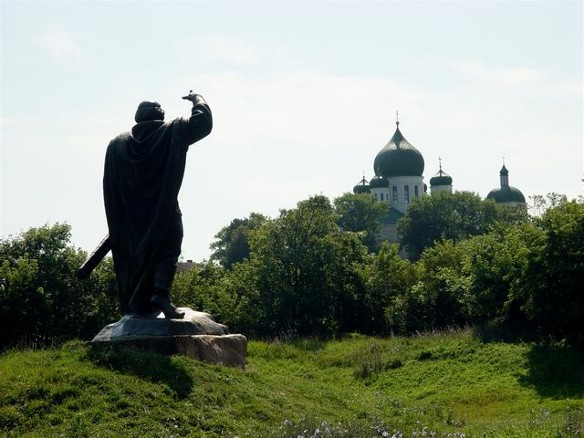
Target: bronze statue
142, 177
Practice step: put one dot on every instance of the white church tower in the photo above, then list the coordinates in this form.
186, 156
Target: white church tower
401, 165
441, 182
398, 180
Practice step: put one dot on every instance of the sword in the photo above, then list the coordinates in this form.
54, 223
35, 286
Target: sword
95, 257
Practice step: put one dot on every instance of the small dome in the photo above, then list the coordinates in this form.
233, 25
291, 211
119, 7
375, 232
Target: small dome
398, 158
441, 179
506, 194
378, 182
361, 187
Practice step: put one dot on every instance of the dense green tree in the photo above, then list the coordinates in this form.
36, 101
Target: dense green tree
23, 307
248, 315
361, 213
231, 243
446, 216
551, 290
387, 278
204, 288
306, 273
489, 266
524, 278
443, 288
495, 262
304, 280
42, 300
346, 256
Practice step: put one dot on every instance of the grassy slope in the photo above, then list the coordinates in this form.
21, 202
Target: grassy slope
444, 383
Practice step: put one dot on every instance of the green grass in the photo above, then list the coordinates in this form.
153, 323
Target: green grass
446, 384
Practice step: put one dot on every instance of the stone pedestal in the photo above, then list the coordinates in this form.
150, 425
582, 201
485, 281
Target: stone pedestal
197, 336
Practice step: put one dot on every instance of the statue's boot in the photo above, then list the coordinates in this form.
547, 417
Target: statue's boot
165, 306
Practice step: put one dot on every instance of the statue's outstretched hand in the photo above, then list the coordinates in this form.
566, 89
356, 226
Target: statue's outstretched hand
191, 96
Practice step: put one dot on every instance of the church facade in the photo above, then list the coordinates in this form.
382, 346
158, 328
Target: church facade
398, 180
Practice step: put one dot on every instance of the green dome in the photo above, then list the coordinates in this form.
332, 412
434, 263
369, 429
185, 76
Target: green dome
506, 194
441, 179
361, 187
378, 182
398, 158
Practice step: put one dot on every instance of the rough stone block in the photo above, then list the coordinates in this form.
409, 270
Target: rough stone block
197, 336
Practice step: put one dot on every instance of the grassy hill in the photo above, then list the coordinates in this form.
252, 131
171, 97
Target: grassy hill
434, 385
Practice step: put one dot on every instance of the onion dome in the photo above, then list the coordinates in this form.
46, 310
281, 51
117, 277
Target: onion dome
506, 193
398, 158
441, 178
361, 187
378, 182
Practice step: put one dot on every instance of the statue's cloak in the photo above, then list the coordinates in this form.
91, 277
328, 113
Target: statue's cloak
143, 174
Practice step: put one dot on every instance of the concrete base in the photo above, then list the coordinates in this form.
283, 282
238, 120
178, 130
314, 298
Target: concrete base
197, 336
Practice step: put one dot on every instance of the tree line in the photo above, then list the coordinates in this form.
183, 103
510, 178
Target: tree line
318, 269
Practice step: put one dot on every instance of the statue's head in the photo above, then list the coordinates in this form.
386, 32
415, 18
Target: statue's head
149, 111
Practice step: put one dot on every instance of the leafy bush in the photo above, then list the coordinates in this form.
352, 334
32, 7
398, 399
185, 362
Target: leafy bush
439, 299
388, 278
41, 301
550, 293
205, 288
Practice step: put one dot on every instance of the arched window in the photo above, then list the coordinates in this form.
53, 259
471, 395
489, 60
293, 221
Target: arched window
407, 194
394, 194
416, 191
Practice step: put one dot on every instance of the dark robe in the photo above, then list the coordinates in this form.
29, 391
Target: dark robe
143, 174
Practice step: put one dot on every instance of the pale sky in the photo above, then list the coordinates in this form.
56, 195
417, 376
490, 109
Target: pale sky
304, 95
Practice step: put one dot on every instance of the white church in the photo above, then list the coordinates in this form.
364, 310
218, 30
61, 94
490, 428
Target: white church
398, 180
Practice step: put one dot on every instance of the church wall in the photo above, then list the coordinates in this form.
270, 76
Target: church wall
443, 188
380, 194
405, 191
